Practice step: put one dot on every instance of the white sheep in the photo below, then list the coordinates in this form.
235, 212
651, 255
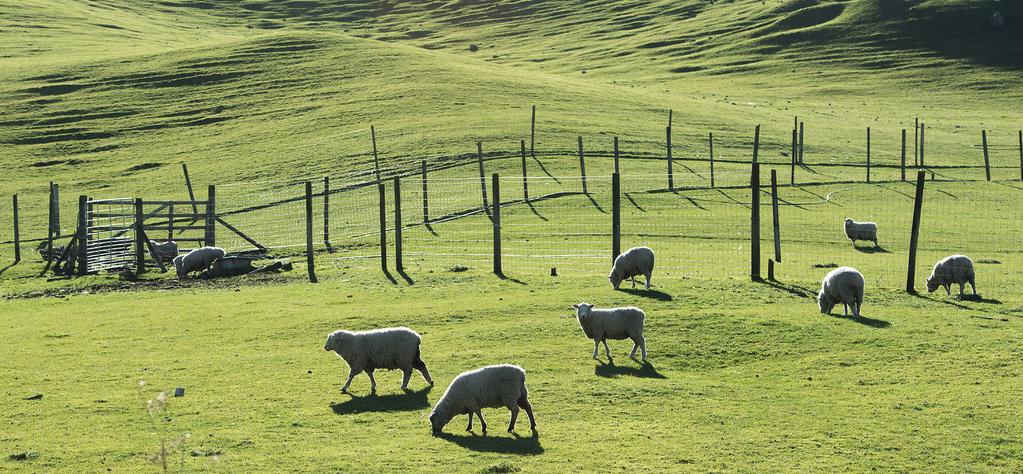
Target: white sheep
861, 231
489, 387
614, 323
842, 285
635, 261
163, 251
388, 348
197, 260
952, 269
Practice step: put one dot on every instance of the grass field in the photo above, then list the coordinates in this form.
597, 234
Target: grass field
108, 97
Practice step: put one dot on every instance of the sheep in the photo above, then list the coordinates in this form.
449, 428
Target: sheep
197, 260
614, 323
163, 251
488, 387
388, 348
949, 270
635, 261
842, 285
861, 231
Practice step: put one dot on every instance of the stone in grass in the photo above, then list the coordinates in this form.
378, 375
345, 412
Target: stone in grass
25, 456
179, 392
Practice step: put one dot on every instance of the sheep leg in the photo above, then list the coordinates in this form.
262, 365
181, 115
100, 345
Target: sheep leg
524, 403
948, 290
845, 308
633, 281
406, 375
483, 423
648, 280
372, 380
351, 375
596, 346
638, 342
607, 350
962, 287
514, 409
421, 367
635, 347
973, 286
469, 427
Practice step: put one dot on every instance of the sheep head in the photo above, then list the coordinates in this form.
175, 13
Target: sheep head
582, 310
615, 279
335, 341
439, 419
825, 303
932, 284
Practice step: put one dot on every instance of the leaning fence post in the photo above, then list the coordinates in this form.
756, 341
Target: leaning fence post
140, 230
582, 165
868, 154
903, 154
774, 212
383, 226
17, 232
525, 179
915, 232
426, 196
309, 252
191, 194
211, 216
616, 153
755, 223
376, 159
671, 176
326, 212
710, 140
83, 234
616, 217
496, 187
398, 262
483, 179
987, 163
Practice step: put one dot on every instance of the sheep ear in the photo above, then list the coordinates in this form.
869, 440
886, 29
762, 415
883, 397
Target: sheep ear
575, 306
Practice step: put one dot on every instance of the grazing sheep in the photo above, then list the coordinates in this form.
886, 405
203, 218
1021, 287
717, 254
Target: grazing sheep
635, 261
949, 270
842, 285
615, 323
197, 260
489, 387
861, 231
388, 348
163, 251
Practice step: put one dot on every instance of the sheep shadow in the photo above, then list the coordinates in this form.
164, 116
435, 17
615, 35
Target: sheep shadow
874, 323
526, 446
877, 249
652, 294
408, 401
610, 370
976, 299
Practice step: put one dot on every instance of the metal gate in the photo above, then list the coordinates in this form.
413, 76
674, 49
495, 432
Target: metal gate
109, 235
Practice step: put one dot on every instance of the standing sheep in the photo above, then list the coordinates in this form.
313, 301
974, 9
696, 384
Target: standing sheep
860, 231
949, 270
614, 323
197, 260
842, 285
635, 261
489, 387
389, 348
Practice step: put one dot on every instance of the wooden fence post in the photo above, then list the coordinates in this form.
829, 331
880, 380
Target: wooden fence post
310, 254
710, 141
800, 142
616, 154
376, 159
915, 233
483, 179
756, 143
868, 154
496, 187
140, 232
83, 234
755, 222
1021, 155
525, 179
170, 222
326, 212
532, 133
795, 151
17, 230
426, 196
669, 118
903, 154
616, 217
582, 165
399, 264
191, 193
55, 193
916, 142
774, 212
987, 162
922, 129
671, 174
211, 216
383, 226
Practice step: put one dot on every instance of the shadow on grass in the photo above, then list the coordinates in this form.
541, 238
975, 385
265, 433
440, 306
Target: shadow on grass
874, 323
387, 273
515, 445
4, 269
878, 249
594, 202
633, 201
610, 370
795, 290
535, 212
504, 277
652, 294
407, 401
976, 299
404, 276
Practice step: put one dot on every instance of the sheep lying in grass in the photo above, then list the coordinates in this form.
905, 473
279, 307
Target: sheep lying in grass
197, 260
949, 270
635, 261
489, 387
861, 231
614, 323
842, 285
389, 348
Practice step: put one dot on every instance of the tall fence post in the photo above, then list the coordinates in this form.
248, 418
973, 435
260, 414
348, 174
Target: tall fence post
532, 133
55, 194
755, 223
326, 212
140, 231
868, 154
914, 237
916, 142
774, 212
987, 162
376, 159
922, 141
671, 174
83, 234
191, 193
616, 216
399, 263
795, 152
710, 142
170, 222
383, 226
616, 153
800, 142
483, 179
310, 254
903, 154
17, 230
525, 179
426, 196
211, 216
582, 165
496, 187
1021, 155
